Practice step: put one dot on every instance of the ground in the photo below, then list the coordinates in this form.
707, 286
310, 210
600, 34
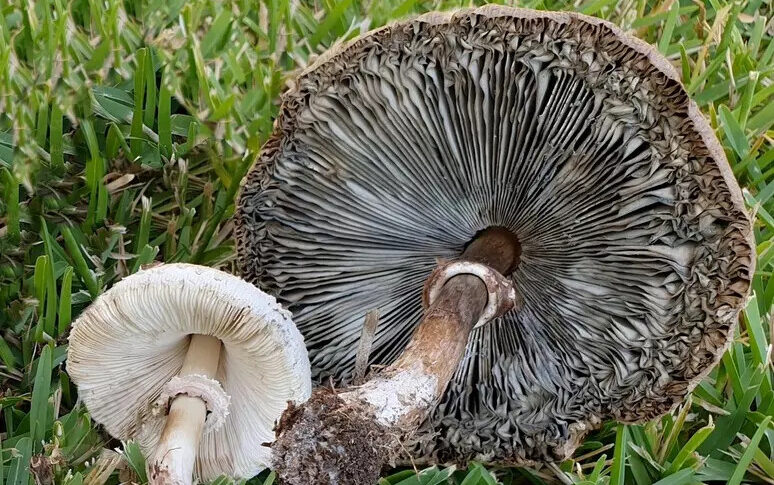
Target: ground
126, 126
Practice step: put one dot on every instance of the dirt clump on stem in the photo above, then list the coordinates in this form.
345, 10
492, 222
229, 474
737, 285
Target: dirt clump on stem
327, 440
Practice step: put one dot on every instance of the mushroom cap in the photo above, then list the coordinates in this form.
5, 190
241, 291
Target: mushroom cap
397, 148
132, 340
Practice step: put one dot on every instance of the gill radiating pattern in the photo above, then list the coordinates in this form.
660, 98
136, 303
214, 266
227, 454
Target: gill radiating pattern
399, 150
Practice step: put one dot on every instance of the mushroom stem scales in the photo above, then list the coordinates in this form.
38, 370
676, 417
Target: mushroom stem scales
175, 456
396, 400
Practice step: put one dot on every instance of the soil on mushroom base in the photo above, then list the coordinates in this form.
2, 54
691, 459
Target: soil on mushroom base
327, 440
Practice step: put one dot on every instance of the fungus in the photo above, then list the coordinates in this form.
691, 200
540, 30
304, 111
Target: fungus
194, 364
391, 152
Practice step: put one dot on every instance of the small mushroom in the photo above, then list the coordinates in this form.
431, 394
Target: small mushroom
194, 364
543, 152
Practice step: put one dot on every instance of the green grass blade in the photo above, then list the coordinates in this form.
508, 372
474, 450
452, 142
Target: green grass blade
6, 355
596, 473
334, 17
135, 143
51, 296
95, 171
731, 369
618, 471
149, 113
734, 132
39, 410
690, 446
65, 301
472, 478
674, 432
164, 119
595, 7
749, 453
56, 140
143, 230
136, 460
638, 471
41, 132
11, 198
669, 27
145, 256
680, 478
763, 119
39, 278
746, 104
757, 335
217, 33
79, 262
728, 426
764, 462
19, 470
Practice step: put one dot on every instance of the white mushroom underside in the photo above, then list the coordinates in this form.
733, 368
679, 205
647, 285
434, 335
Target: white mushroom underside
402, 151
131, 342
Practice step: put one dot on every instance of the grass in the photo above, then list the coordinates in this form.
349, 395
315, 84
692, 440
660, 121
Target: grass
126, 126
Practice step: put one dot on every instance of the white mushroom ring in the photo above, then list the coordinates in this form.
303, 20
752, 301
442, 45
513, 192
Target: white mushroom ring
501, 294
208, 390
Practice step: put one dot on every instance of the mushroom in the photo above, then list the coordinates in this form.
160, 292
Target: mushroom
562, 159
194, 364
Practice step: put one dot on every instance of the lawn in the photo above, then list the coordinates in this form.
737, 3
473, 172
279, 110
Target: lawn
126, 127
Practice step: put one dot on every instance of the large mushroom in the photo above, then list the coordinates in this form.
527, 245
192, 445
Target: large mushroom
553, 152
194, 364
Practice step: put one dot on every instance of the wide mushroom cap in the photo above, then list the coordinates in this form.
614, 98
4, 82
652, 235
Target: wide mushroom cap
130, 343
397, 148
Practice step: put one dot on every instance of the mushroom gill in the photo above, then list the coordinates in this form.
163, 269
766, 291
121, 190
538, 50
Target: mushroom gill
398, 148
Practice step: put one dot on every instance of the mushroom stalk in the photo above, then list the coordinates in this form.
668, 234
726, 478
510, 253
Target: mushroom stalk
173, 462
358, 429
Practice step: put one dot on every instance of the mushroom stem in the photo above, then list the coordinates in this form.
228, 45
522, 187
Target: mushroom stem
173, 462
358, 429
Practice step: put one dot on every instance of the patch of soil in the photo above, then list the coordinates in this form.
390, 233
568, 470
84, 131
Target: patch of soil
328, 441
